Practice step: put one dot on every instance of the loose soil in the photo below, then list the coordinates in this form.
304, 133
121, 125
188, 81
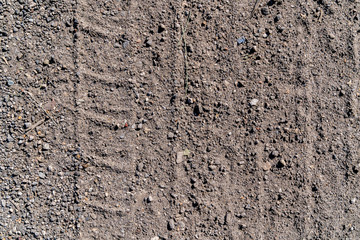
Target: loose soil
179, 119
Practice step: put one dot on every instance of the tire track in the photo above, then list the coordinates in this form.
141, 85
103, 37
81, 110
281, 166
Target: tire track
278, 186
203, 174
111, 96
351, 139
325, 172
103, 190
307, 113
117, 169
355, 91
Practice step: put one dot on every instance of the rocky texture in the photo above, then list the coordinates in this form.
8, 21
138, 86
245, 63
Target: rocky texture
179, 120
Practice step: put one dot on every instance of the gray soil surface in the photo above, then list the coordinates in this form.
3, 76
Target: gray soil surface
127, 119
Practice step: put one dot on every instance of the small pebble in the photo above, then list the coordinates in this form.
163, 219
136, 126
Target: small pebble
198, 110
265, 11
170, 135
179, 157
46, 147
188, 100
181, 226
125, 44
281, 163
27, 125
278, 17
41, 175
149, 43
228, 219
274, 154
161, 28
254, 102
267, 166
140, 166
212, 167
10, 82
50, 168
9, 139
162, 185
171, 224
240, 40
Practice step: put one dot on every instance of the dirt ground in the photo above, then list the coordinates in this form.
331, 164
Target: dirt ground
126, 119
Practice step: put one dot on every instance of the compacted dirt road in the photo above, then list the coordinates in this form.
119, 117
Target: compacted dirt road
172, 119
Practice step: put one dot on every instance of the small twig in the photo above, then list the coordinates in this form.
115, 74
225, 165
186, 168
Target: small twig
12, 202
256, 5
3, 58
36, 125
184, 29
46, 112
321, 14
183, 37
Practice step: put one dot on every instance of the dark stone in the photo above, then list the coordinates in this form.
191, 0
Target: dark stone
161, 28
265, 11
197, 110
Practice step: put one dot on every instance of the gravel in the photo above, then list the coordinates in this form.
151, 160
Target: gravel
125, 44
171, 224
139, 126
9, 139
149, 199
281, 163
254, 102
46, 147
170, 135
32, 204
66, 180
179, 157
265, 11
149, 43
274, 154
42, 175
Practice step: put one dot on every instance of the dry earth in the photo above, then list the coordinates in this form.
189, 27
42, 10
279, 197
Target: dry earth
127, 119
